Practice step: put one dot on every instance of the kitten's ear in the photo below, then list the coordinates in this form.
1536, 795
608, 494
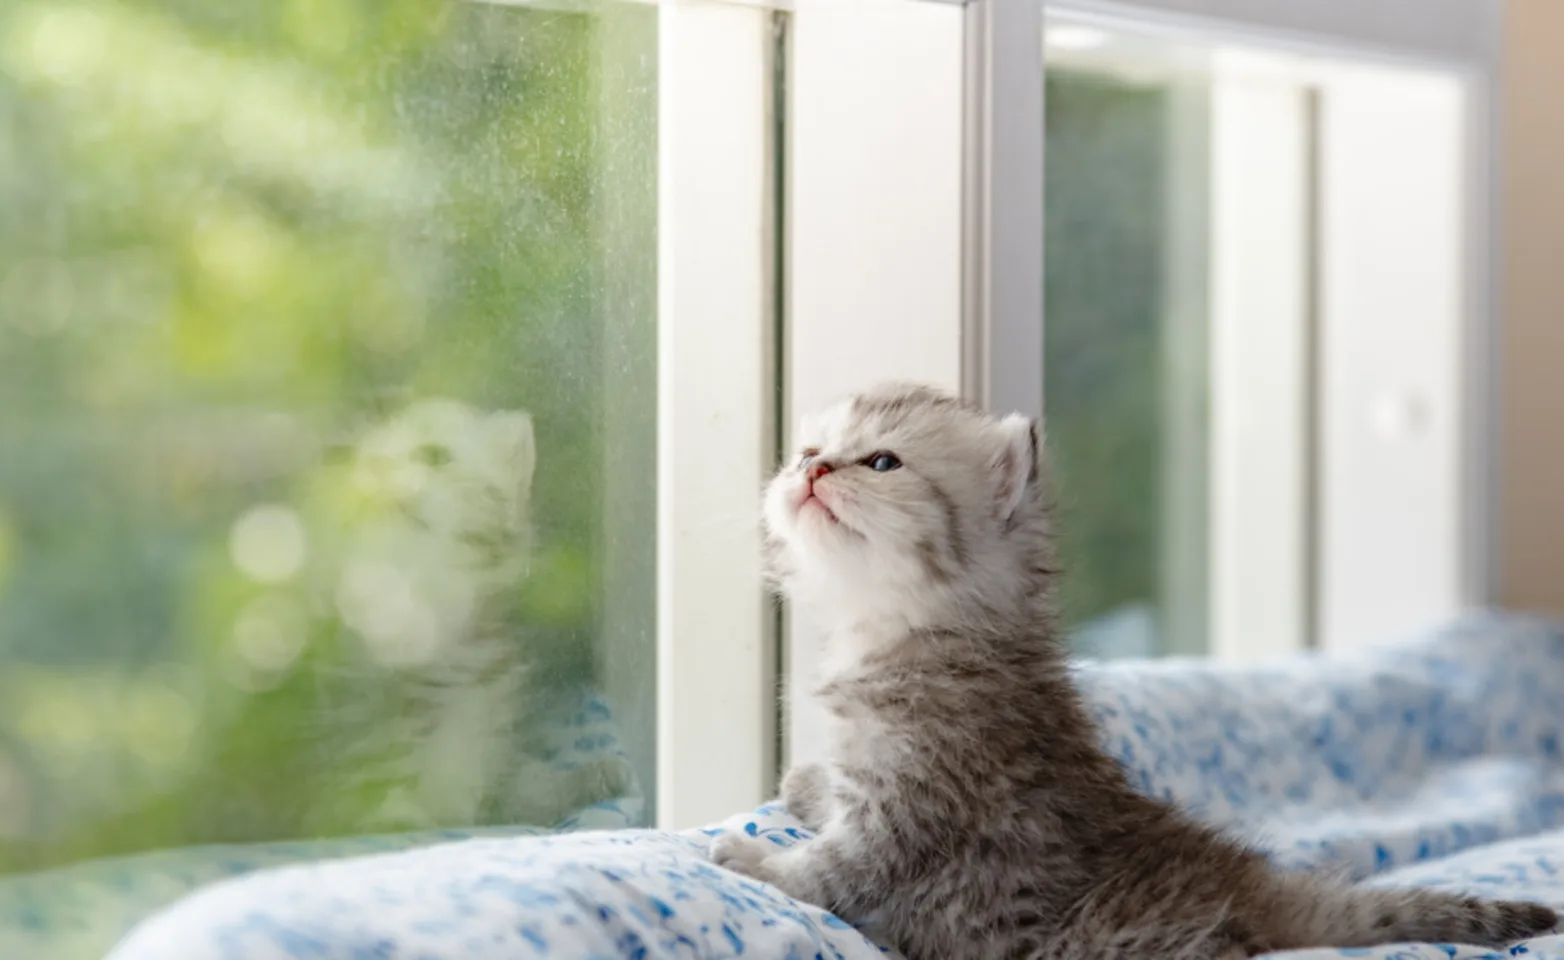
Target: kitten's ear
1016, 462
511, 432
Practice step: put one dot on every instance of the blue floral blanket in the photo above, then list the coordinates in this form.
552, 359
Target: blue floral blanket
1434, 763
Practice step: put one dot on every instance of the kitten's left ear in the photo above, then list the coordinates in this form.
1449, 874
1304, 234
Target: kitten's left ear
1016, 462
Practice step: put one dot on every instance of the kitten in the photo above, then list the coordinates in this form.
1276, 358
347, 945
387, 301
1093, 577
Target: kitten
966, 809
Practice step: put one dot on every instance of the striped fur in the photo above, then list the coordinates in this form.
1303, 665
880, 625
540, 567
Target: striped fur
965, 810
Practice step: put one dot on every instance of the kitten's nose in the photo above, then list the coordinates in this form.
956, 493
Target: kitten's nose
817, 469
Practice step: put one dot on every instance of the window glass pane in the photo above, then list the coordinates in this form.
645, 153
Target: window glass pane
1137, 179
322, 327
1111, 376
1253, 342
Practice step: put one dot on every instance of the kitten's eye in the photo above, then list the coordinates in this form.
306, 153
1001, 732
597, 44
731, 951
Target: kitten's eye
807, 457
433, 455
882, 462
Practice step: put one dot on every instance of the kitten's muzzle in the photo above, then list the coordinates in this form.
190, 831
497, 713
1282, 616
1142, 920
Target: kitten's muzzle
813, 472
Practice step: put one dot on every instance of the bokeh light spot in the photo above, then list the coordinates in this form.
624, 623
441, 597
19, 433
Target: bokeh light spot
159, 722
64, 44
269, 634
268, 543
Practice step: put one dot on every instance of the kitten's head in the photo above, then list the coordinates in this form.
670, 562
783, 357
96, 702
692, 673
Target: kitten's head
906, 503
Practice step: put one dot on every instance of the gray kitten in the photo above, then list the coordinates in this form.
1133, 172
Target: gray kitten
966, 809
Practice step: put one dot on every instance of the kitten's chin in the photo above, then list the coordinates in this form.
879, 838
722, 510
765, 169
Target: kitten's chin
843, 578
807, 524
812, 507
821, 540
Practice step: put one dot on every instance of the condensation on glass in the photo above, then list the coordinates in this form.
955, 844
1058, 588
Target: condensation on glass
327, 411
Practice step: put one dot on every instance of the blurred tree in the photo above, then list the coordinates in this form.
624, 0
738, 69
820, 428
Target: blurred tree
231, 234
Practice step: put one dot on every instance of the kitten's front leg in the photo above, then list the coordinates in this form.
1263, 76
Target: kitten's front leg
806, 792
814, 871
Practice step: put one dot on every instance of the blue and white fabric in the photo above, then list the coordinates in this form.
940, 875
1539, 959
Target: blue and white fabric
1434, 763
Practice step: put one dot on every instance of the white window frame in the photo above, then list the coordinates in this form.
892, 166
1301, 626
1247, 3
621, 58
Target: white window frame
1261, 591
1397, 503
716, 399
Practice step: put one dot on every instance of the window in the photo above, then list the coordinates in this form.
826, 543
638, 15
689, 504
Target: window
1254, 334
385, 387
355, 359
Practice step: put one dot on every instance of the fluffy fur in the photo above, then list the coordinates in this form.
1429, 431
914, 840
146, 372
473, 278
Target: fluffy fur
966, 809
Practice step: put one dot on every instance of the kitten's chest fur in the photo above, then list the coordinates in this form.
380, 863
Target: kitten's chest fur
981, 740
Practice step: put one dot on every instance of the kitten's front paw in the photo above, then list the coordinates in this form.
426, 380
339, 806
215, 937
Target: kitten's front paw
743, 853
806, 792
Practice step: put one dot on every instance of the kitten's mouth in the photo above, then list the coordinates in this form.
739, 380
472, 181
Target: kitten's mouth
810, 500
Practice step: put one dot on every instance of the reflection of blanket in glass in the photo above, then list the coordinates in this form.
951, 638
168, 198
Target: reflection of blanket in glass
1437, 763
78, 912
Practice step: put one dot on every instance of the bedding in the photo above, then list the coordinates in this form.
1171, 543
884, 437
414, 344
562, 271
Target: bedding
1435, 762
